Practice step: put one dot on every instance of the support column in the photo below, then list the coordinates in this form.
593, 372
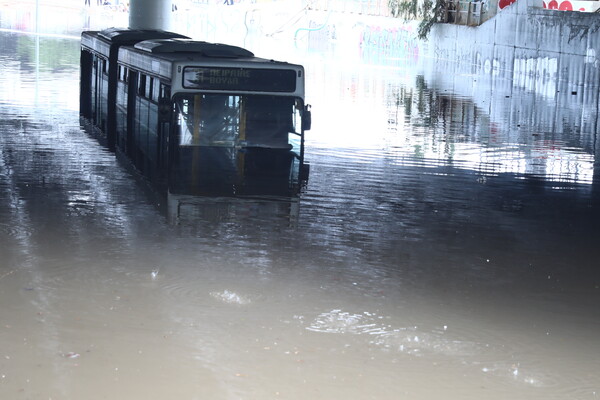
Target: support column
150, 14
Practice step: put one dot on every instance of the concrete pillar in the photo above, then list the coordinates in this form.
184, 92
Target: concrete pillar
150, 14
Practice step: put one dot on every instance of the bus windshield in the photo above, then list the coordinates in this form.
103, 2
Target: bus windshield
207, 119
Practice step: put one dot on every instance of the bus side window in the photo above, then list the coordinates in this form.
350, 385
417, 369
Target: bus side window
149, 89
122, 73
156, 91
165, 92
141, 84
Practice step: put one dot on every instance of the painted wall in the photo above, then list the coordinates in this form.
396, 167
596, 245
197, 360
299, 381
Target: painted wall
570, 5
551, 55
548, 52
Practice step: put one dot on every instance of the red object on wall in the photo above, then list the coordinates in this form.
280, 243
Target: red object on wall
505, 3
566, 6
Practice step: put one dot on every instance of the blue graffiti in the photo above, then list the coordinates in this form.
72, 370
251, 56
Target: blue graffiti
395, 41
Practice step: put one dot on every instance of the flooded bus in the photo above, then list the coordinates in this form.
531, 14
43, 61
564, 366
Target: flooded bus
98, 87
197, 117
211, 119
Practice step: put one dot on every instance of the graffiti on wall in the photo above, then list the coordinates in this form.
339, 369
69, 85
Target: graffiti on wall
502, 4
320, 35
572, 5
374, 41
487, 66
538, 75
535, 74
398, 41
590, 58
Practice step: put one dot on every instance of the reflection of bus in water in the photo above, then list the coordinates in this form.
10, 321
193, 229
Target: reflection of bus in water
199, 118
225, 184
205, 212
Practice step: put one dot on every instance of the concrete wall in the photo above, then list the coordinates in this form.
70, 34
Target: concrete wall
550, 58
549, 52
544, 50
552, 54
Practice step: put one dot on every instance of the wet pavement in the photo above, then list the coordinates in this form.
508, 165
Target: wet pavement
445, 246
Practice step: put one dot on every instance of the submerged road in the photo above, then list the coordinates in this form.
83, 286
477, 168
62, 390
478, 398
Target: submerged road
443, 248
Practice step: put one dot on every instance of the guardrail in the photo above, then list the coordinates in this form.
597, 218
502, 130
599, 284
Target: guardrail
460, 12
362, 7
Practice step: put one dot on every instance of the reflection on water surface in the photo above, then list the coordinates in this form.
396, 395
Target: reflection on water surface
445, 246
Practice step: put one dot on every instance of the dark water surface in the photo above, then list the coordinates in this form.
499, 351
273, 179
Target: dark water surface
446, 247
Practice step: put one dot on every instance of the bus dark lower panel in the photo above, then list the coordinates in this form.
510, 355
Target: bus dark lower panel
229, 171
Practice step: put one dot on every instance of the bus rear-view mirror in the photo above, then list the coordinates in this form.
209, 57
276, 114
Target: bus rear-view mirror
306, 118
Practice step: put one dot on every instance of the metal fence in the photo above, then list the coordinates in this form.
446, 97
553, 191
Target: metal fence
460, 12
464, 12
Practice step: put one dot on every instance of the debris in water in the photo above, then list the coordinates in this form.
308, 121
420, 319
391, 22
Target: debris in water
7, 274
515, 369
229, 297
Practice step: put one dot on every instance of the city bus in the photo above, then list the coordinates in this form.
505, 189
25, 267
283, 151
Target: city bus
203, 116
208, 118
98, 62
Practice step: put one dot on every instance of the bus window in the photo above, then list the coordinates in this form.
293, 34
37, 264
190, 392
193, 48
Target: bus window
269, 120
141, 85
246, 120
165, 91
149, 84
208, 119
155, 91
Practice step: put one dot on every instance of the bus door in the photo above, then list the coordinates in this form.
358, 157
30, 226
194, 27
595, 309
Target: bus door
101, 93
85, 95
165, 114
131, 114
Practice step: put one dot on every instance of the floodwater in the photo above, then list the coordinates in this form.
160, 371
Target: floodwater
441, 250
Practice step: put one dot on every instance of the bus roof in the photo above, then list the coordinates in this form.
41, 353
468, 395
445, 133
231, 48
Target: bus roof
102, 41
126, 35
185, 52
206, 49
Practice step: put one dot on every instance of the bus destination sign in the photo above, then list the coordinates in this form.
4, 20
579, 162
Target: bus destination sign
243, 79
